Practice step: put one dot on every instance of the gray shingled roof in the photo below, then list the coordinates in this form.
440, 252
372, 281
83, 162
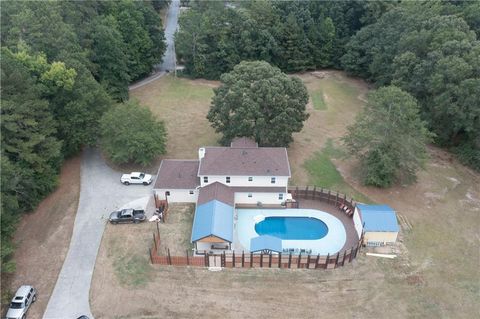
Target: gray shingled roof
177, 174
245, 161
217, 191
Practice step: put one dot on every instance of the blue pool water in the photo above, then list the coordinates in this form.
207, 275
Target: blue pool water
292, 228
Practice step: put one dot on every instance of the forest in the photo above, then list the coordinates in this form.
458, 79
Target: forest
63, 65
429, 49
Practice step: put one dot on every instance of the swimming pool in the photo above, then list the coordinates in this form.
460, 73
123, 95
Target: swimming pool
292, 228
297, 228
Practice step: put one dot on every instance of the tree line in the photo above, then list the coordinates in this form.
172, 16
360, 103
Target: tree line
63, 66
428, 49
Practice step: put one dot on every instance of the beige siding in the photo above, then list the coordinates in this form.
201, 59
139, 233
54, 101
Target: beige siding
388, 237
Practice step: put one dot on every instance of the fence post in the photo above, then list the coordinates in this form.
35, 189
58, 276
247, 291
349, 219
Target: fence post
328, 200
169, 257
296, 192
328, 260
336, 200
351, 254
151, 256
298, 261
308, 261
306, 192
290, 260
251, 260
270, 260
316, 262
155, 242
314, 191
279, 260
261, 259
243, 258
336, 260
188, 261
344, 256
233, 260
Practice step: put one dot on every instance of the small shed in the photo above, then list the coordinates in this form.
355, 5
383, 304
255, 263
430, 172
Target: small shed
380, 224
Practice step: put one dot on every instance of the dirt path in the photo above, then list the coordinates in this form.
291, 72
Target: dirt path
43, 237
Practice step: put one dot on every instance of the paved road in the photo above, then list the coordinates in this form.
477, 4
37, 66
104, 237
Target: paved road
172, 24
100, 193
168, 61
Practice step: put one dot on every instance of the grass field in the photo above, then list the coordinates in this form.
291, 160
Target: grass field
436, 274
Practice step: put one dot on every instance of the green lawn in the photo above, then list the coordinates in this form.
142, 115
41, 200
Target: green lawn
323, 172
317, 99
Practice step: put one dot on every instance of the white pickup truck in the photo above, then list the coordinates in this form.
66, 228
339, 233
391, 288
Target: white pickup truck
136, 178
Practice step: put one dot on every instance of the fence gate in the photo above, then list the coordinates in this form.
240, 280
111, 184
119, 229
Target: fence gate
214, 261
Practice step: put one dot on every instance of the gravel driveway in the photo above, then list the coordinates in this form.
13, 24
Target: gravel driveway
100, 193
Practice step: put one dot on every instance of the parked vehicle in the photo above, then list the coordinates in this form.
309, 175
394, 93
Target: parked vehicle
21, 302
136, 178
127, 216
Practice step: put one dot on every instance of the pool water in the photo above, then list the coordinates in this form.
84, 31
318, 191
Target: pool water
292, 228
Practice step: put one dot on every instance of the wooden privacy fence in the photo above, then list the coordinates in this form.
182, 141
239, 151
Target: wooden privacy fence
232, 259
324, 195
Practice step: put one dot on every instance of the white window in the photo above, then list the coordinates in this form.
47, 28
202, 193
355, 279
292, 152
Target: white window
280, 196
167, 193
273, 180
227, 179
250, 179
205, 179
191, 192
250, 195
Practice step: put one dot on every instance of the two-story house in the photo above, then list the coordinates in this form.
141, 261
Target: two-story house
223, 178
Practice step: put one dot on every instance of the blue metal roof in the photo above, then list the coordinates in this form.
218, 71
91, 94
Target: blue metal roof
213, 218
266, 242
378, 218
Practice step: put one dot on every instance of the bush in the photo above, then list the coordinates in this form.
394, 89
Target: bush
130, 133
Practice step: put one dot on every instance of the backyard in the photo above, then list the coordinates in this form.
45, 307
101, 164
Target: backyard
435, 275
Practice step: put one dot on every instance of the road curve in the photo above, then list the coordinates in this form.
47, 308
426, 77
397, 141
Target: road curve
100, 193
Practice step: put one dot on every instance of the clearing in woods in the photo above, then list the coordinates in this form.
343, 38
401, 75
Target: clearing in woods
435, 275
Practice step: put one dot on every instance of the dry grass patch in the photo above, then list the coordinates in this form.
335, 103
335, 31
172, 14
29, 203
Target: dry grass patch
183, 105
42, 239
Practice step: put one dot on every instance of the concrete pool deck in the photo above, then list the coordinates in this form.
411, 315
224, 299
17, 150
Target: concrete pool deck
351, 236
332, 243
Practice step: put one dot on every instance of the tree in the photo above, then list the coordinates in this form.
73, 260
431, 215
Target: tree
130, 133
259, 101
389, 138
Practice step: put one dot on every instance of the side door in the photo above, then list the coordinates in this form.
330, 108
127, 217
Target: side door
28, 301
135, 180
126, 218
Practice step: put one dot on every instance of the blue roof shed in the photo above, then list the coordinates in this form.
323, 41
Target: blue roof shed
378, 218
266, 242
213, 218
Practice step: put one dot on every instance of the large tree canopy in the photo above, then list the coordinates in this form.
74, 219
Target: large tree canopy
259, 101
130, 133
388, 137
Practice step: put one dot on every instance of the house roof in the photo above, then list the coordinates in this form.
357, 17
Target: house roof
245, 161
177, 174
217, 191
378, 218
243, 142
266, 242
213, 219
